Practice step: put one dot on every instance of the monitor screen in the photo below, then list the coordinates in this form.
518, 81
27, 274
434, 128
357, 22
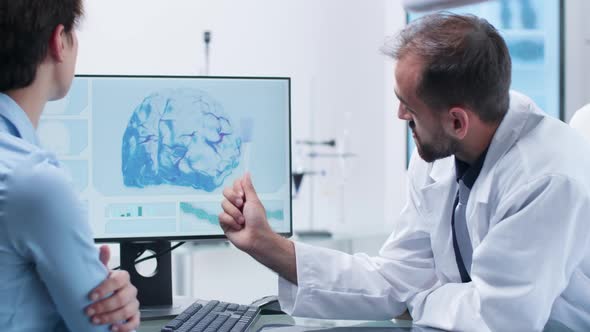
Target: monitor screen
150, 156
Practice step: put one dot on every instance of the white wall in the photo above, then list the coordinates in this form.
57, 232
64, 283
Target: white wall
341, 84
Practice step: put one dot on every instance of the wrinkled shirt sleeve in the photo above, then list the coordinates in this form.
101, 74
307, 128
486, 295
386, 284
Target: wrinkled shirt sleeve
54, 235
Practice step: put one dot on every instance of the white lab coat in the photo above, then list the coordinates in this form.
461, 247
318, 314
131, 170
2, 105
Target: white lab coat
529, 221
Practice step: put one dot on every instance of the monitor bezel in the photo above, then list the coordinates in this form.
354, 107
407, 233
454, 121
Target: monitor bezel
205, 237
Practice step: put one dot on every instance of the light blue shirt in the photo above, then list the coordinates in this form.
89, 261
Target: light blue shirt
48, 261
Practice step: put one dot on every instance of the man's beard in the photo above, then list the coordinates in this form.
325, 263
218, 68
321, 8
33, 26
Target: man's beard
441, 147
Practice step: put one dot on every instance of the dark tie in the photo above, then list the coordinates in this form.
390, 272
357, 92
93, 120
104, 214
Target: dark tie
461, 240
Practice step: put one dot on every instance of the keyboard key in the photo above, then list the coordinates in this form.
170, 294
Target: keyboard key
250, 313
174, 324
221, 318
192, 309
184, 316
212, 304
213, 316
229, 323
198, 317
202, 325
239, 327
220, 307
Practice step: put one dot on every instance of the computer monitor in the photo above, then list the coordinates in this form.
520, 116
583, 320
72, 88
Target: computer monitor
150, 155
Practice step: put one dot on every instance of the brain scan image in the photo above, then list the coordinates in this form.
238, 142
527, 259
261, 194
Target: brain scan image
149, 155
179, 137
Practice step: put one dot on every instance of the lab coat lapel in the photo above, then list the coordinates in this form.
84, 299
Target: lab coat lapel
441, 186
522, 110
438, 195
440, 177
510, 129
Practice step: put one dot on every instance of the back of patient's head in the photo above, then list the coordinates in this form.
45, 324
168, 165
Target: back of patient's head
465, 63
26, 27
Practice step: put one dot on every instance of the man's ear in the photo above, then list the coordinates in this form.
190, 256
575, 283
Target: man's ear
459, 122
58, 43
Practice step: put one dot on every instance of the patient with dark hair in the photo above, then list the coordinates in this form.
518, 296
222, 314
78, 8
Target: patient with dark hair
51, 275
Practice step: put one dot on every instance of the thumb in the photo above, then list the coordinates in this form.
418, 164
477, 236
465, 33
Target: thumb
105, 255
249, 190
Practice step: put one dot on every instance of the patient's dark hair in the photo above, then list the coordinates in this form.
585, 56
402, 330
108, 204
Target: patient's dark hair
466, 63
26, 27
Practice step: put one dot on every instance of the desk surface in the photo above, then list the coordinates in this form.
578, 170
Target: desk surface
311, 324
333, 325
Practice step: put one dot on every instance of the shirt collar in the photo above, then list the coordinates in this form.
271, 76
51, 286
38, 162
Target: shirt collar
469, 173
15, 116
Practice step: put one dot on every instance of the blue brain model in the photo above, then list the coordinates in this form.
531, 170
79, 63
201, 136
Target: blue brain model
182, 138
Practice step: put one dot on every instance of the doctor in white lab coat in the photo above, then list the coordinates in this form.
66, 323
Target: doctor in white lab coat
527, 212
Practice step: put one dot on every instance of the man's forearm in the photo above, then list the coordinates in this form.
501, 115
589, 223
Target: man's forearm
278, 254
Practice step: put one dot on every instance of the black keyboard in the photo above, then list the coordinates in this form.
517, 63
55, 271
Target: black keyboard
213, 316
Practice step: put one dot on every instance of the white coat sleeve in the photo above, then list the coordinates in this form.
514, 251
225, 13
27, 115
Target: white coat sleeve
336, 285
536, 239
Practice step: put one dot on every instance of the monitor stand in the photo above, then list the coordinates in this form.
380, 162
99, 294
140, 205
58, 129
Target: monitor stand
153, 292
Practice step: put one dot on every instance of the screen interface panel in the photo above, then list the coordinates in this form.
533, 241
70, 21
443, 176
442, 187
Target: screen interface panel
150, 156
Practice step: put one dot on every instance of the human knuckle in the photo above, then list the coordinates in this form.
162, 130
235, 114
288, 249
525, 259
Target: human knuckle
133, 308
99, 290
133, 323
233, 213
116, 302
107, 317
128, 311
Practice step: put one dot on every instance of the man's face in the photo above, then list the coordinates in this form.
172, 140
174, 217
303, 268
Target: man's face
431, 140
